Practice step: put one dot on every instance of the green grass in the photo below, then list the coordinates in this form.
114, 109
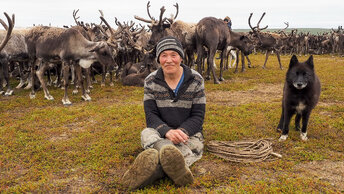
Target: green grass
86, 147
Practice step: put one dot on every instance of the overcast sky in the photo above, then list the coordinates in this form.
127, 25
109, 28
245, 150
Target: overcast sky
299, 13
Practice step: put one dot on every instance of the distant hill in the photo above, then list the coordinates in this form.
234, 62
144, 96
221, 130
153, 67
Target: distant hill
314, 31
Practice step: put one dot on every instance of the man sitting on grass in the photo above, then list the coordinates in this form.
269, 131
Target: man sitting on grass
174, 104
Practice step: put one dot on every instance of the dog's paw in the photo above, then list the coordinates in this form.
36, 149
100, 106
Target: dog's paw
283, 138
303, 136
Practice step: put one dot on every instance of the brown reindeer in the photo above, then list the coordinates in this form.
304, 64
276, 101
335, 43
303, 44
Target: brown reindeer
95, 32
163, 27
214, 34
137, 79
266, 41
48, 44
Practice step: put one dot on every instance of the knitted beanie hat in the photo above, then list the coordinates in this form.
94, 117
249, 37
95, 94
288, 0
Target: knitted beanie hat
169, 43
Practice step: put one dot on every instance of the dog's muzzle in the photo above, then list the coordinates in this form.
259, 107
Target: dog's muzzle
300, 86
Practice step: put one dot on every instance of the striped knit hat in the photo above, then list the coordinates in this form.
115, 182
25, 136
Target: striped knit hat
169, 43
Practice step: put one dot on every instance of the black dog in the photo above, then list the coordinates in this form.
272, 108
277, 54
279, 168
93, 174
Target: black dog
300, 95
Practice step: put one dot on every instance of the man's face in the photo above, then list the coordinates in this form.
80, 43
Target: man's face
170, 61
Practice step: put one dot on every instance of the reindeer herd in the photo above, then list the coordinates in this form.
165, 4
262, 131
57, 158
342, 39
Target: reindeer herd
76, 53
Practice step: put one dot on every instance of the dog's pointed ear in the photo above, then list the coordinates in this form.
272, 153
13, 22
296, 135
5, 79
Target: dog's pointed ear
310, 61
293, 61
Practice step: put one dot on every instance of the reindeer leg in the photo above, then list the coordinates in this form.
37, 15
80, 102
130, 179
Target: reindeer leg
102, 84
199, 59
211, 64
48, 75
77, 81
227, 60
65, 67
33, 67
221, 66
248, 62
207, 76
235, 56
88, 80
57, 82
21, 83
279, 59
242, 62
111, 79
28, 79
9, 90
84, 96
237, 62
72, 71
266, 58
40, 74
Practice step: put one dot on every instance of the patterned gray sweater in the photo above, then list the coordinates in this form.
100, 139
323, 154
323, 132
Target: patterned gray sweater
164, 110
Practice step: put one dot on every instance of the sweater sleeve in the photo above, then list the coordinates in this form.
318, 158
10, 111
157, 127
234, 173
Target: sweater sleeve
194, 123
153, 117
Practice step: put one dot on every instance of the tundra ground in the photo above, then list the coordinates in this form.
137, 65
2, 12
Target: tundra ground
86, 147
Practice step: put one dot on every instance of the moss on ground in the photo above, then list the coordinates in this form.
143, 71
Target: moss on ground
86, 147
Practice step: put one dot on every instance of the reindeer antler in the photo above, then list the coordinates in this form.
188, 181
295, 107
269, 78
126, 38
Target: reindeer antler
113, 34
249, 22
131, 24
149, 15
101, 14
256, 28
171, 20
75, 12
162, 11
142, 19
177, 7
152, 19
8, 28
138, 31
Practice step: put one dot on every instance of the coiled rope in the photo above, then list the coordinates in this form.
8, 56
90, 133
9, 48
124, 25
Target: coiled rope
243, 151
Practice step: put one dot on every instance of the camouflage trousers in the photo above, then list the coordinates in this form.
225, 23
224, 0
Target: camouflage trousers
192, 150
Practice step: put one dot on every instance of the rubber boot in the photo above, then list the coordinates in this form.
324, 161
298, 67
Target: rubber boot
173, 164
144, 171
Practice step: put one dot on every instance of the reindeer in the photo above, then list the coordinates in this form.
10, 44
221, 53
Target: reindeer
163, 27
244, 45
127, 43
337, 40
136, 79
5, 53
69, 46
266, 41
95, 32
214, 34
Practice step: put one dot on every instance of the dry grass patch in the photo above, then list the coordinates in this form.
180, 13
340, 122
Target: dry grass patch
259, 94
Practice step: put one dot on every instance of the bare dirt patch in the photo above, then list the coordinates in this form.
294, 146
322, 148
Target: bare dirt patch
328, 171
260, 93
61, 137
74, 184
331, 172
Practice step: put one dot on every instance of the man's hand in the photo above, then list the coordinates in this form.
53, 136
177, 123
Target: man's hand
177, 136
